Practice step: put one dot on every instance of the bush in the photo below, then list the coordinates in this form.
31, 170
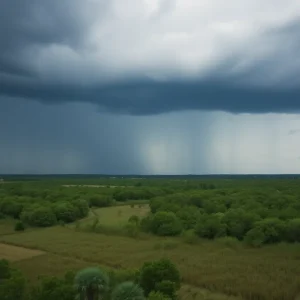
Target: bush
19, 226
153, 273
210, 226
166, 224
128, 291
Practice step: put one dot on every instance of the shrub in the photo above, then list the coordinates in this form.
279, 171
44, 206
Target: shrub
19, 226
153, 273
128, 291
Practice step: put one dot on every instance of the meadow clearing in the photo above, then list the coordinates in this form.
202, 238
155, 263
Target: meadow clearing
221, 268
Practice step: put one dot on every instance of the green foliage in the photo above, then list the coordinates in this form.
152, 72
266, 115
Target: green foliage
4, 269
39, 216
101, 200
154, 295
167, 288
128, 291
53, 288
293, 230
132, 229
82, 208
134, 219
165, 224
65, 211
19, 226
12, 283
255, 237
210, 226
239, 222
91, 283
152, 275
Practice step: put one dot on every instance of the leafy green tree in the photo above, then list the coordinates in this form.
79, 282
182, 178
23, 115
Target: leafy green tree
239, 222
166, 224
152, 274
82, 208
128, 291
255, 237
210, 226
273, 229
189, 216
91, 283
39, 216
65, 211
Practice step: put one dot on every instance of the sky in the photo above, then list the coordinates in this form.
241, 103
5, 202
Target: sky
149, 86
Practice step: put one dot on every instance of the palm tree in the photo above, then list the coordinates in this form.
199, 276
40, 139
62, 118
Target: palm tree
91, 283
128, 291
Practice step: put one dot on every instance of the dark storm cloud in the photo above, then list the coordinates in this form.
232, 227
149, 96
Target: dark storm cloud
29, 26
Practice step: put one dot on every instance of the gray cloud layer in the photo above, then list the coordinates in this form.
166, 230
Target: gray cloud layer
152, 59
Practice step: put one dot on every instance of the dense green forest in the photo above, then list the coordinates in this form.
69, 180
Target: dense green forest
226, 235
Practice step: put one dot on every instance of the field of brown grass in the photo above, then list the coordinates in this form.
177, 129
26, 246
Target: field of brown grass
268, 273
15, 253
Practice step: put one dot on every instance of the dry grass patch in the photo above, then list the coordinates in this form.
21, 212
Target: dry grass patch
15, 253
268, 273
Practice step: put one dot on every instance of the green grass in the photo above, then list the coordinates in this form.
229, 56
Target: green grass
268, 273
115, 216
7, 226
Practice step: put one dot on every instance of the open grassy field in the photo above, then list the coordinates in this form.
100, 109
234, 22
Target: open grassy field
116, 216
267, 273
6, 226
